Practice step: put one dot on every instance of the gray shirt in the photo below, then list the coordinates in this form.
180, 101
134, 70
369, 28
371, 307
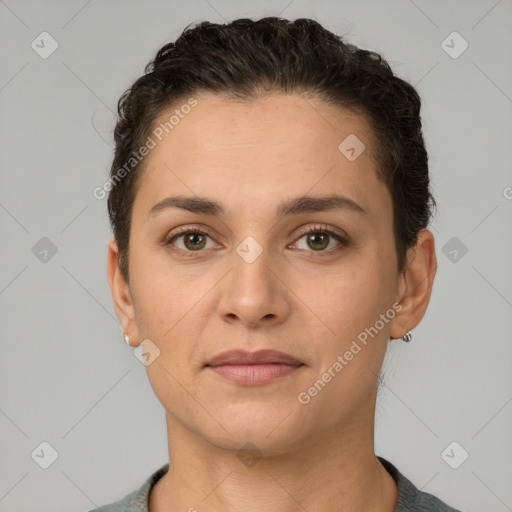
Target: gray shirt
410, 499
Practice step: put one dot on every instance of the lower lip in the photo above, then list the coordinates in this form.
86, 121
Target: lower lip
254, 374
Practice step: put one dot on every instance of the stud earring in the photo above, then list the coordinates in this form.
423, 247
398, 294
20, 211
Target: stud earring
126, 339
407, 336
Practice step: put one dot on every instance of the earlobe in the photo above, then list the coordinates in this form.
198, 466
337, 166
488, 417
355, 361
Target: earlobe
121, 295
416, 285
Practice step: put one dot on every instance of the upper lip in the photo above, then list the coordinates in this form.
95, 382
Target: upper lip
259, 357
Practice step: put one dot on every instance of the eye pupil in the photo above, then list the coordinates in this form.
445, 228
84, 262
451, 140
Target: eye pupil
317, 238
193, 238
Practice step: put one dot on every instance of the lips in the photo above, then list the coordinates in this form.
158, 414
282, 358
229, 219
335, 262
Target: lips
253, 368
242, 357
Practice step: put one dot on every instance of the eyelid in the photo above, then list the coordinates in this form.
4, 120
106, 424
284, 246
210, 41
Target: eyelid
342, 239
182, 230
323, 228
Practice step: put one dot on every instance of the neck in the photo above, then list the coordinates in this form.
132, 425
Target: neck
335, 470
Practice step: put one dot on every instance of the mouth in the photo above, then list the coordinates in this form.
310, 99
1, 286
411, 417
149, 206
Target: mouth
253, 368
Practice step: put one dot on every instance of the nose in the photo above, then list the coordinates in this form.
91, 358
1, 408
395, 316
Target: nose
253, 294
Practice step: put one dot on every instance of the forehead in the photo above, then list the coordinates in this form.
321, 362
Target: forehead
279, 143
273, 119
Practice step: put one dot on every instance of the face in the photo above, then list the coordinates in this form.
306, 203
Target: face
264, 269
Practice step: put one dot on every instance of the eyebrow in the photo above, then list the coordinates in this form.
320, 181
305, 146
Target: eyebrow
303, 204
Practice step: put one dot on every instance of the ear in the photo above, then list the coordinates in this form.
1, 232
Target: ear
415, 285
121, 295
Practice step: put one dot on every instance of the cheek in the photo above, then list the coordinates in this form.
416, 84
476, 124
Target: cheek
170, 308
351, 303
355, 348
163, 295
352, 295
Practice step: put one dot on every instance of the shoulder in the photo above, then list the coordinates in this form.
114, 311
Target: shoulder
411, 499
136, 501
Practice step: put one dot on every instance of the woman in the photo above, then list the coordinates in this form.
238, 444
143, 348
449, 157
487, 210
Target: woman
269, 203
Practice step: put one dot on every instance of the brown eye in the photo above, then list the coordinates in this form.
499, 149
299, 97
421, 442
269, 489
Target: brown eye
317, 241
192, 240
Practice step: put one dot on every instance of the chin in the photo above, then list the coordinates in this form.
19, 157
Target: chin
270, 427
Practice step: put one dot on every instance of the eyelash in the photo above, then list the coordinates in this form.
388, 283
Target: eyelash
317, 229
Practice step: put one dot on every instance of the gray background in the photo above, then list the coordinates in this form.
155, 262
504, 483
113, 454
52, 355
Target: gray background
67, 377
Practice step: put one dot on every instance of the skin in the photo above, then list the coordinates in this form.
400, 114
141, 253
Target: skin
311, 304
